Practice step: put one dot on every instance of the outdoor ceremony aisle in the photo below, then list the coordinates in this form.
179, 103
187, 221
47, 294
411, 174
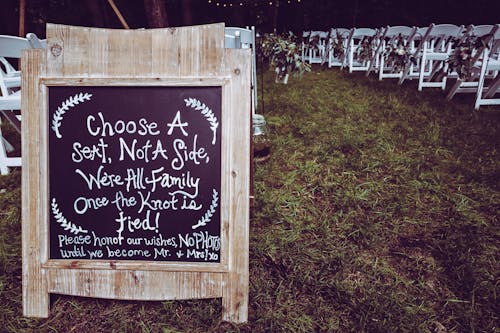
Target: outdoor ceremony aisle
377, 211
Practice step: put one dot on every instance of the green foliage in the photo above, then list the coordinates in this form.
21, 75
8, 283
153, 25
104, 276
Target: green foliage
337, 46
398, 54
366, 48
377, 212
463, 57
283, 53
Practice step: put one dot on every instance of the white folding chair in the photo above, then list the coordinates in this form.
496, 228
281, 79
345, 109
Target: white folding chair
10, 84
394, 39
244, 38
316, 47
437, 45
491, 64
469, 83
413, 71
360, 48
337, 47
304, 46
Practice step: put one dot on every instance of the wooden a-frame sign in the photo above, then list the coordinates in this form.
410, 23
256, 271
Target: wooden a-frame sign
136, 155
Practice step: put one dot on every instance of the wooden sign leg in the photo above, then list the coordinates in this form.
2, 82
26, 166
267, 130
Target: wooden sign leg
34, 239
235, 298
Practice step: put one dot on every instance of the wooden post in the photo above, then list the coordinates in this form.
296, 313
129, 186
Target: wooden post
81, 70
34, 234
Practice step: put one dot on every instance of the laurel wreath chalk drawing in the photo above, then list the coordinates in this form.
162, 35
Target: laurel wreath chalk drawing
210, 212
67, 225
206, 112
65, 106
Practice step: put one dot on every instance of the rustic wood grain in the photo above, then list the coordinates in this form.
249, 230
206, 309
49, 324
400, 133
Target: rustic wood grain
190, 56
34, 233
235, 302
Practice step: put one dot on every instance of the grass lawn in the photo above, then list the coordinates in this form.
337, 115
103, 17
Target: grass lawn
378, 211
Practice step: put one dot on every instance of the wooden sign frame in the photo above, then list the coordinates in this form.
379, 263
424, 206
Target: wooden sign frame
172, 57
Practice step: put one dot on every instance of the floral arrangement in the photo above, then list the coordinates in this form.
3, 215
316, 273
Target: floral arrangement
462, 59
283, 54
397, 53
309, 42
366, 49
337, 46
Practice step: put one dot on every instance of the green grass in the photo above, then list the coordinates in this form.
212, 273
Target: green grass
378, 211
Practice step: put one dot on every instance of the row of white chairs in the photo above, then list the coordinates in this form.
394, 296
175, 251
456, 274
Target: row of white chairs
432, 55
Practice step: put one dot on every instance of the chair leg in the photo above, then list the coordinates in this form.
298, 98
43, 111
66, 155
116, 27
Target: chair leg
421, 74
453, 90
493, 88
480, 86
4, 169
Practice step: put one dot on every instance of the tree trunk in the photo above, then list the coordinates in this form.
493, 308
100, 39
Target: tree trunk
156, 13
22, 12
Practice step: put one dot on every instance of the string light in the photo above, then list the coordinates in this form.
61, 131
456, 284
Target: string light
230, 3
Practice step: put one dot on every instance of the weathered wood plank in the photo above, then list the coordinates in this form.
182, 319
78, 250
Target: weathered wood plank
136, 285
34, 233
136, 265
161, 57
96, 52
235, 302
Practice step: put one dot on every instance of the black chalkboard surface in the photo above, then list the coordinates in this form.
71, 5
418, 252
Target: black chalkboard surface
134, 173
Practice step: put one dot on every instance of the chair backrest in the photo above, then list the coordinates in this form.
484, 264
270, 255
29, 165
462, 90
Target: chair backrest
315, 33
480, 30
439, 38
445, 30
488, 42
402, 30
246, 36
341, 31
420, 33
363, 32
35, 42
496, 34
323, 34
11, 46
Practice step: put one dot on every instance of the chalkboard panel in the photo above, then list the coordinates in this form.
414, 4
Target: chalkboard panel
134, 173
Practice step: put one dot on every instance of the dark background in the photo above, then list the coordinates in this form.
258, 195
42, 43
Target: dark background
268, 15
